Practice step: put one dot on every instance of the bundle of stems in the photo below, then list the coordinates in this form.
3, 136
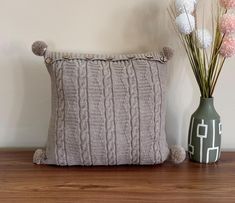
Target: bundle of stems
206, 63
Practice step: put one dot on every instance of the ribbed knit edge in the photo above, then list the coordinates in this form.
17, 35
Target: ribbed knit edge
57, 56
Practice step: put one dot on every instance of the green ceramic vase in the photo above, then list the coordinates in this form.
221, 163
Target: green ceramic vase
204, 140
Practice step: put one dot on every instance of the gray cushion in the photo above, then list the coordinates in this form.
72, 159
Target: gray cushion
106, 110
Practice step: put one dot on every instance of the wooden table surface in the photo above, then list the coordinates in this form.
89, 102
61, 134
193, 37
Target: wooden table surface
22, 181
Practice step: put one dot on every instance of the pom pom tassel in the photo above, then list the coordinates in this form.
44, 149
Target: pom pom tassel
39, 48
39, 156
177, 154
168, 52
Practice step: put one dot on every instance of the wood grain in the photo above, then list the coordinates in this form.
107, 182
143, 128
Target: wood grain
22, 181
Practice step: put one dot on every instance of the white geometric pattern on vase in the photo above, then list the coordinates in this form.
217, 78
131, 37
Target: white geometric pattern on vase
220, 128
191, 147
213, 145
202, 134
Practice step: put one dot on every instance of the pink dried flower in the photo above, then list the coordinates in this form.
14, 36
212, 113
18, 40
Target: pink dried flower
227, 3
227, 23
228, 47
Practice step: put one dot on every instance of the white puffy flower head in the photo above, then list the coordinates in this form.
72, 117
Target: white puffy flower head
183, 6
185, 23
204, 38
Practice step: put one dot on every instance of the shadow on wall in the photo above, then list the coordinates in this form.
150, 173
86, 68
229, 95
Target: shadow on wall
30, 111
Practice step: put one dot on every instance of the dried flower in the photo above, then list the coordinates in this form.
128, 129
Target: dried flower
206, 64
227, 23
228, 47
185, 23
227, 3
204, 38
183, 6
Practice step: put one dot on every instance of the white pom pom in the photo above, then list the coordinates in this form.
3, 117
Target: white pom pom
204, 38
177, 154
185, 23
183, 6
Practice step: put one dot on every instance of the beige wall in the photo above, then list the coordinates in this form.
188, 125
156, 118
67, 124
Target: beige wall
109, 26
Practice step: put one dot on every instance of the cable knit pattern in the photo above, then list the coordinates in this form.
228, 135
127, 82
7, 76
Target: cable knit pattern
109, 106
121, 112
97, 113
157, 111
85, 136
158, 106
134, 113
127, 106
106, 110
61, 150
72, 140
148, 92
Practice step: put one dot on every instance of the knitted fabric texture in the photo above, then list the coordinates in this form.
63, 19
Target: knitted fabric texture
106, 110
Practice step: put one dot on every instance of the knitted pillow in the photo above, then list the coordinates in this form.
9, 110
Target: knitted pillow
106, 110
